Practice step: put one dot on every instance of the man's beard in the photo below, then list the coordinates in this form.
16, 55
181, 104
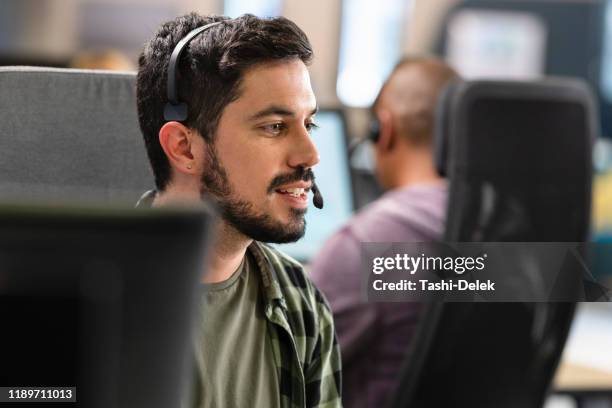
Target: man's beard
240, 214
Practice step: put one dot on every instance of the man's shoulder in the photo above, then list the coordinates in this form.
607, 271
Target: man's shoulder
298, 290
421, 198
279, 259
403, 215
289, 272
408, 214
311, 327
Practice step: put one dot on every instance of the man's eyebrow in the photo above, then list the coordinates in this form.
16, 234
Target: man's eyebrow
277, 110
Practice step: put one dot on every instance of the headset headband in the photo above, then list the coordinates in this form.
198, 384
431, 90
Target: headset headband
174, 109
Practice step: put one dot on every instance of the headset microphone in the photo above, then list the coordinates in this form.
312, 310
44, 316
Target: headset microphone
317, 198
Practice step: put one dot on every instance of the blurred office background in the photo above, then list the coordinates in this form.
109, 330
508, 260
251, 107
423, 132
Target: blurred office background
356, 44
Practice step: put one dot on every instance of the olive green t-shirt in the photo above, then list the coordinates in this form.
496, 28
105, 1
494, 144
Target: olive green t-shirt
234, 355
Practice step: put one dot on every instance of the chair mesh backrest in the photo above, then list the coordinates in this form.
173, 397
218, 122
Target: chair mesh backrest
518, 159
70, 132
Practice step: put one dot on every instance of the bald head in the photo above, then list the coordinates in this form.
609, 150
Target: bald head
411, 93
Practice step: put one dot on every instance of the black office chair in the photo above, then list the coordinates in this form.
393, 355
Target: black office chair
518, 158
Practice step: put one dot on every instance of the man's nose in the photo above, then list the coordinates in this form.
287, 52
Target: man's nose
304, 153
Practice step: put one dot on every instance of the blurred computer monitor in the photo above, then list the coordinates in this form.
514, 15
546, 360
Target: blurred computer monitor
476, 36
602, 213
101, 300
334, 180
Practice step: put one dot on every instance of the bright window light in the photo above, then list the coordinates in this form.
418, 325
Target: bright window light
370, 45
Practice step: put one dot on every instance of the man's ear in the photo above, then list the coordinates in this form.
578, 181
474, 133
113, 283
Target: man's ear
386, 136
178, 143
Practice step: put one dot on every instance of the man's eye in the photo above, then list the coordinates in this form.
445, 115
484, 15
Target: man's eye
311, 127
274, 128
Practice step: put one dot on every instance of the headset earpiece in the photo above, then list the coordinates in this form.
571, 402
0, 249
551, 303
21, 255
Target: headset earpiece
176, 112
374, 131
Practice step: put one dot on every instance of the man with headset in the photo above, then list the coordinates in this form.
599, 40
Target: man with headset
226, 109
375, 336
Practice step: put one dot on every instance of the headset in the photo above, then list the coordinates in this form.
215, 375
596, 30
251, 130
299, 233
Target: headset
372, 136
175, 110
374, 130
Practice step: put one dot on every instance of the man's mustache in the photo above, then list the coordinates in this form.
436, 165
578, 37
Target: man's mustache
301, 174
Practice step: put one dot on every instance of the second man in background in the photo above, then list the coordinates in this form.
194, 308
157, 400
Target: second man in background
374, 337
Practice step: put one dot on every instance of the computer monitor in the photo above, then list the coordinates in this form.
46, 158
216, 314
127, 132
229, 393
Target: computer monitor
488, 43
601, 227
101, 300
334, 180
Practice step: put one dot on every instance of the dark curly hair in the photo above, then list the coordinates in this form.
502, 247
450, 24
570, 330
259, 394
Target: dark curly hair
209, 71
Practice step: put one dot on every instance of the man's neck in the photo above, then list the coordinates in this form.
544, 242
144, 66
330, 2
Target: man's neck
418, 176
226, 254
229, 247
416, 167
